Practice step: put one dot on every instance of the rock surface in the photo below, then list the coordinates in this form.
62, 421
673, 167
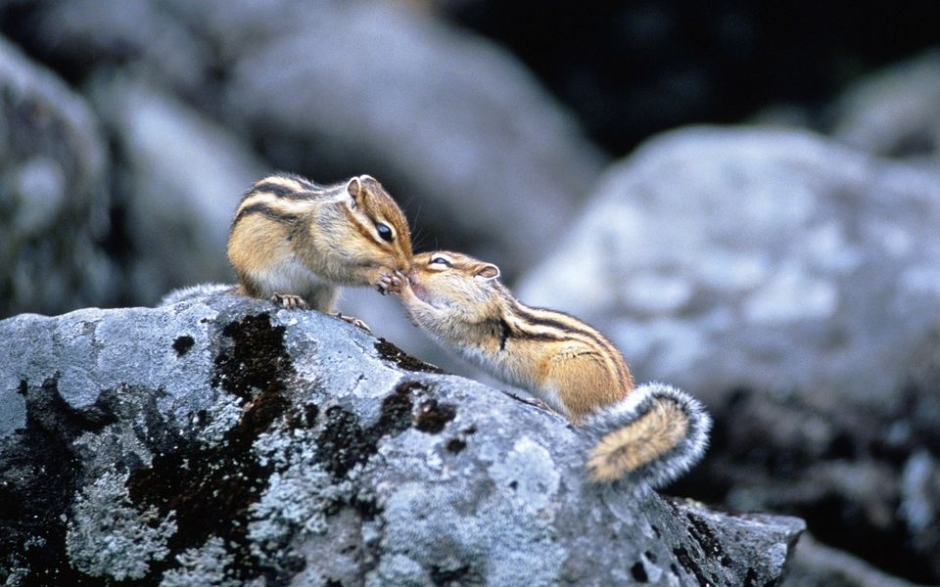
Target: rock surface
794, 285
452, 124
222, 442
53, 196
721, 258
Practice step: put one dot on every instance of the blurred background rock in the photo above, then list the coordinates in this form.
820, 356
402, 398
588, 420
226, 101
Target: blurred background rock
784, 266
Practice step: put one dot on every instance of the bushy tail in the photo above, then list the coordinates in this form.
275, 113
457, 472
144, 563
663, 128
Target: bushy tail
651, 437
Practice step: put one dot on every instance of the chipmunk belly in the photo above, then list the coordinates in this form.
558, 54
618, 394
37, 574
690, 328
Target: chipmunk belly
526, 375
289, 276
507, 367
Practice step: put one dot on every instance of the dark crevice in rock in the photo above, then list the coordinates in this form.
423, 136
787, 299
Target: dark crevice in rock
688, 563
367, 508
463, 575
433, 416
41, 463
344, 443
256, 360
400, 358
396, 411
211, 489
455, 445
304, 418
638, 572
750, 579
701, 533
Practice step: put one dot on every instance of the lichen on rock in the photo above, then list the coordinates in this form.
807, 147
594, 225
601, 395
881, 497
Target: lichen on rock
108, 537
292, 448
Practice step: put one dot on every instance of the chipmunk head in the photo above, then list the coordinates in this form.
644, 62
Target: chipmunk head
376, 230
455, 282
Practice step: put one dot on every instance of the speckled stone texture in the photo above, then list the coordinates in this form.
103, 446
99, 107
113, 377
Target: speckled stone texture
792, 284
755, 257
224, 442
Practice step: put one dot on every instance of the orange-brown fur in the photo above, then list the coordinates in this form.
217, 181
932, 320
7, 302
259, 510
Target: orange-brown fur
294, 240
629, 448
650, 434
558, 358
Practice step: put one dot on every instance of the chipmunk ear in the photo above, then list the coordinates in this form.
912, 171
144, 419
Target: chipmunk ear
355, 188
486, 271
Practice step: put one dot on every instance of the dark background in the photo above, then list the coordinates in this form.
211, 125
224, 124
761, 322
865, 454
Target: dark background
630, 69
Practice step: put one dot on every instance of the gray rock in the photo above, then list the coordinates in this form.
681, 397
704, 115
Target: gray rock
180, 178
53, 179
453, 125
768, 259
793, 285
817, 565
221, 441
150, 36
448, 119
895, 112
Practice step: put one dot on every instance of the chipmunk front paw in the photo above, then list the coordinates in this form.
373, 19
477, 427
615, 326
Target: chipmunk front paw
290, 301
390, 282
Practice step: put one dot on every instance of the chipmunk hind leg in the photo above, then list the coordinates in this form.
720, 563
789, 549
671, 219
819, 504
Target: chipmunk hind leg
584, 381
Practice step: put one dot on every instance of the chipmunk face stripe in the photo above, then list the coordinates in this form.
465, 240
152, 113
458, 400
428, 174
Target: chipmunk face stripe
366, 227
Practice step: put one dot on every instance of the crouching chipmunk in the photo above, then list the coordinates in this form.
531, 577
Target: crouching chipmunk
292, 241
648, 435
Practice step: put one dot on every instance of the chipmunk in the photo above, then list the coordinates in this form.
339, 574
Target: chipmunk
653, 433
292, 241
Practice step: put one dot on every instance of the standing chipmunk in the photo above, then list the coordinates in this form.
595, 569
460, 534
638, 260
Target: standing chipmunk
652, 434
292, 241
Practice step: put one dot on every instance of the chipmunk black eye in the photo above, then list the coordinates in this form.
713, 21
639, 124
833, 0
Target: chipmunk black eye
441, 261
384, 231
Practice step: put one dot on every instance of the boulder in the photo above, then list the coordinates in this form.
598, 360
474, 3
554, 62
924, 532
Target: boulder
894, 112
223, 441
718, 258
179, 177
53, 193
454, 126
792, 284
